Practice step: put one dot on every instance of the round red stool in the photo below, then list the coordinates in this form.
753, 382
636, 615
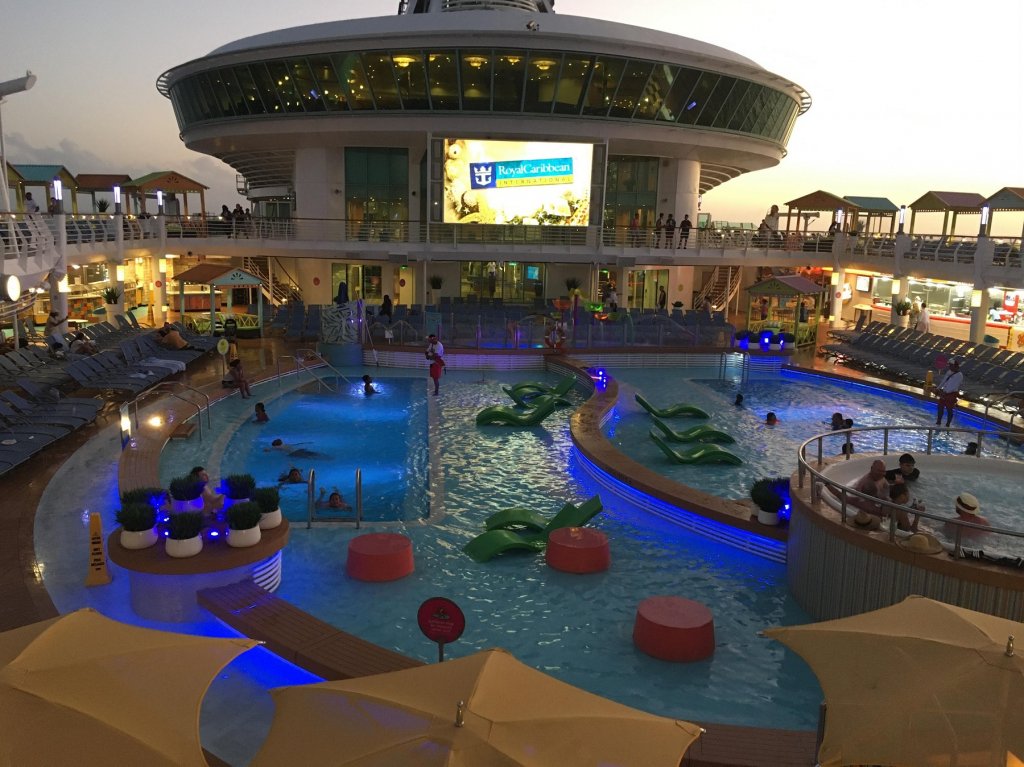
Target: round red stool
673, 628
578, 550
379, 557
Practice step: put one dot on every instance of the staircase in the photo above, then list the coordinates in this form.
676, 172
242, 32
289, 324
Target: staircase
721, 288
286, 290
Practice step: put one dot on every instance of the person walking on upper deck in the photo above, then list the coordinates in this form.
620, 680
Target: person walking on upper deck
923, 323
684, 231
670, 230
31, 206
658, 226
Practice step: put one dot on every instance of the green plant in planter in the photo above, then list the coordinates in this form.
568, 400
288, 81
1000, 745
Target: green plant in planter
152, 496
136, 517
112, 295
571, 284
185, 525
244, 516
239, 486
742, 335
268, 498
677, 304
902, 308
766, 494
186, 488
436, 281
787, 338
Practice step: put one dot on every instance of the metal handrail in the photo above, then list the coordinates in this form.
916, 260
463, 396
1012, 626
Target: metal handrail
311, 500
300, 362
282, 357
199, 410
845, 493
999, 400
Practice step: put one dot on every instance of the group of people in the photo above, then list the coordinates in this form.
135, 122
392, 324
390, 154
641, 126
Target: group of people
240, 220
669, 228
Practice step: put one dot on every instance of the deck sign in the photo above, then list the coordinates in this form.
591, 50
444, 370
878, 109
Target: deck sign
441, 621
98, 574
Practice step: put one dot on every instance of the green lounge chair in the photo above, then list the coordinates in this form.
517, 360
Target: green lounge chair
672, 410
569, 515
700, 454
503, 415
533, 388
528, 400
700, 433
488, 545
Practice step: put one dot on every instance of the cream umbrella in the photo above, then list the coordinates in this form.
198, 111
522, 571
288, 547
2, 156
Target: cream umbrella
918, 683
86, 690
486, 710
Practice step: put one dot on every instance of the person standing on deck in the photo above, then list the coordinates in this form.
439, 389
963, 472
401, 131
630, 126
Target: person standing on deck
948, 391
684, 231
670, 230
658, 226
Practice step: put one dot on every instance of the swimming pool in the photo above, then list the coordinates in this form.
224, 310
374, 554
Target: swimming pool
803, 403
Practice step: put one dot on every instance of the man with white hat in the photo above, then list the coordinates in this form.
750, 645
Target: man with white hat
948, 390
967, 510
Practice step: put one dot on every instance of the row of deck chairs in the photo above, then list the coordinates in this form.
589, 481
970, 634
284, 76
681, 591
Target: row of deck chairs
908, 355
36, 417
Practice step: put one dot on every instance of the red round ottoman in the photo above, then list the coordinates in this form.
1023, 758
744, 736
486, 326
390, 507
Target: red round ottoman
578, 550
673, 628
379, 557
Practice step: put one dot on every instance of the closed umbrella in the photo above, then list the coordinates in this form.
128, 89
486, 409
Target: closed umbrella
486, 710
918, 683
86, 690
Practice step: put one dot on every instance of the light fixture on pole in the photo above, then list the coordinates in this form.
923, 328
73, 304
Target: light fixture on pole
896, 287
119, 272
10, 87
162, 266
903, 217
839, 218
975, 299
117, 200
12, 287
58, 195
159, 202
982, 231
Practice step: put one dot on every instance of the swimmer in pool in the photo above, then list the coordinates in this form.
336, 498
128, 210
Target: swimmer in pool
771, 419
332, 501
292, 450
292, 477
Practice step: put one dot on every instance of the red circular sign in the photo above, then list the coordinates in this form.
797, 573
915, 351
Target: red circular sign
158, 284
441, 620
401, 283
316, 280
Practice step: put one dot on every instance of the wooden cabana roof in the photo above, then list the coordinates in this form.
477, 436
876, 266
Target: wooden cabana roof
940, 202
166, 181
1007, 198
217, 275
786, 285
101, 182
820, 201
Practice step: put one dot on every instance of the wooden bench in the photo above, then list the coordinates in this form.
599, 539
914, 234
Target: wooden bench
297, 636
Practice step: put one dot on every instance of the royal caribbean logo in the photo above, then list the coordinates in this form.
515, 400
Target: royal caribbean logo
508, 173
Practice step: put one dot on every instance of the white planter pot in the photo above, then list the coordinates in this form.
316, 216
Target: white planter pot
902, 320
183, 548
271, 520
142, 539
767, 518
229, 502
193, 505
775, 347
242, 538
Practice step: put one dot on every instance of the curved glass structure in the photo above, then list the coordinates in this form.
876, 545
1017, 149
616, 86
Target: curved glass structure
486, 80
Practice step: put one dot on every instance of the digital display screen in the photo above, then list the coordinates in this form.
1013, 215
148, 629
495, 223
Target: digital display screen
533, 272
863, 283
517, 182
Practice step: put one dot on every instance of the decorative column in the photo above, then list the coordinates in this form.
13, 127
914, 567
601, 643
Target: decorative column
59, 271
158, 268
687, 192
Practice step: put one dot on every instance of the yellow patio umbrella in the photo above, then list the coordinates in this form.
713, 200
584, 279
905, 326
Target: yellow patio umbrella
87, 690
486, 710
918, 683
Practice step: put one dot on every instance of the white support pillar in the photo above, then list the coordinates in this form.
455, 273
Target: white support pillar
838, 280
687, 190
979, 313
159, 290
59, 271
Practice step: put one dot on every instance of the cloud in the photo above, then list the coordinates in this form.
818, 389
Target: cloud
77, 159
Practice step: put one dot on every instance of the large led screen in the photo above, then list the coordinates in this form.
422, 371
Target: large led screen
516, 182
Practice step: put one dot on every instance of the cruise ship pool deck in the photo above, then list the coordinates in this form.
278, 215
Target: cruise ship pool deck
599, 465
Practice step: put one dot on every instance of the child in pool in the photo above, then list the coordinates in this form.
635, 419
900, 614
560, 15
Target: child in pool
260, 415
291, 477
333, 501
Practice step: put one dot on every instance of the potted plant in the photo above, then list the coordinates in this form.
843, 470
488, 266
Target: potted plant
186, 493
901, 309
572, 284
102, 206
184, 537
244, 524
742, 338
112, 295
238, 488
138, 525
153, 496
775, 342
771, 498
787, 340
436, 281
677, 304
269, 500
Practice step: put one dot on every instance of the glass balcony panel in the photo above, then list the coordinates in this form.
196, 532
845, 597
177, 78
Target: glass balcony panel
541, 80
443, 76
381, 76
282, 78
265, 82
509, 73
657, 88
349, 67
332, 92
603, 83
697, 101
250, 93
572, 83
207, 101
306, 86
634, 78
412, 79
184, 97
755, 104
679, 94
476, 80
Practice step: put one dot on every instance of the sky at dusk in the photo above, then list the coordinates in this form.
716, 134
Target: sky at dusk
909, 96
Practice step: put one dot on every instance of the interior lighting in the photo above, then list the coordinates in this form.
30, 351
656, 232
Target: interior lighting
58, 190
62, 285
119, 273
155, 421
159, 201
896, 287
975, 299
839, 216
476, 61
543, 64
513, 60
126, 424
403, 60
903, 217
834, 279
12, 287
162, 266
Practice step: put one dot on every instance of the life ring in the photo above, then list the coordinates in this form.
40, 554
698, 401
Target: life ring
555, 338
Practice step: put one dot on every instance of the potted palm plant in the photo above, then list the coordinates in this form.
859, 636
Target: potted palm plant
901, 310
153, 496
184, 534
269, 500
770, 496
572, 284
186, 493
112, 295
244, 524
138, 525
